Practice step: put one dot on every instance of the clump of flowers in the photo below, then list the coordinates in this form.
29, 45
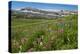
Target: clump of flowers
61, 30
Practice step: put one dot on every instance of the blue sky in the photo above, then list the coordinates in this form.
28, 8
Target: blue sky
17, 5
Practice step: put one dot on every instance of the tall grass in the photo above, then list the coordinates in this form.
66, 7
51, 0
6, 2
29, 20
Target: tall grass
44, 34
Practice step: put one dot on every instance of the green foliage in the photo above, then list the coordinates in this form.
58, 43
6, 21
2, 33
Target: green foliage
44, 34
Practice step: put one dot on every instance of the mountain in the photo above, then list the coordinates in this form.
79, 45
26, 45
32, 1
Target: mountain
31, 12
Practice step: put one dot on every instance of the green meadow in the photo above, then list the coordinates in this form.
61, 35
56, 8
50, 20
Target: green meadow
30, 35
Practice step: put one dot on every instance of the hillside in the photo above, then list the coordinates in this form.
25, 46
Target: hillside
28, 35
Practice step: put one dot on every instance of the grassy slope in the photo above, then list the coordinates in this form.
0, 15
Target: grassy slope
44, 34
